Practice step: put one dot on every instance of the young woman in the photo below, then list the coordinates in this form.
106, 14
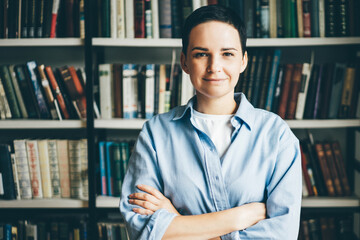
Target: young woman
217, 167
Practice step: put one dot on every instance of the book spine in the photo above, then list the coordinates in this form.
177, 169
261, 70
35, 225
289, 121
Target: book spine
330, 18
165, 18
113, 18
82, 19
317, 104
336, 90
16, 177
176, 19
343, 23
54, 169
332, 169
54, 14
102, 168
117, 90
47, 91
39, 18
322, 18
299, 14
285, 90
304, 85
84, 169
325, 169
4, 102
34, 168
339, 161
347, 92
257, 18
19, 97
63, 158
44, 113
273, 18
148, 20
295, 87
106, 98
315, 27
162, 88
45, 168
129, 19
108, 164
22, 166
155, 18
80, 92
7, 173
117, 173
120, 19
307, 18
31, 18
75, 168
149, 90
10, 92
139, 16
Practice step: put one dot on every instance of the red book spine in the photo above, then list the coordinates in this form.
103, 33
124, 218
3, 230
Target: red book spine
54, 14
139, 15
306, 18
285, 90
305, 172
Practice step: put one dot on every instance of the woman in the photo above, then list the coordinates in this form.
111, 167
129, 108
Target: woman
216, 167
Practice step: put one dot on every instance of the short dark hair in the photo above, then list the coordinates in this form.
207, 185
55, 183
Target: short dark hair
213, 13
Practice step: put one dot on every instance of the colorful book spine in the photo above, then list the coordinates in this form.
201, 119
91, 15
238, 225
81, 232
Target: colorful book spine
102, 157
63, 157
130, 93
148, 20
34, 168
139, 14
304, 85
22, 166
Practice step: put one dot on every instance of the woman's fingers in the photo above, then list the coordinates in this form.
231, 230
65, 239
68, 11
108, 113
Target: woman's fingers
144, 197
151, 190
143, 211
145, 204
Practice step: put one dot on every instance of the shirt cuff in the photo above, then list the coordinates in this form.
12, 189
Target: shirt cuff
231, 236
158, 224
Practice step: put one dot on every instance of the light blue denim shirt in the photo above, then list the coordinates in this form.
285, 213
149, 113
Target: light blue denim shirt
262, 164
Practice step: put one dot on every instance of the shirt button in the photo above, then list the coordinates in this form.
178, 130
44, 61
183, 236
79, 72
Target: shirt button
217, 177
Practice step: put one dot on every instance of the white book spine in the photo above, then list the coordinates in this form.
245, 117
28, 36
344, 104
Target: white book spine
54, 169
273, 22
15, 175
322, 18
304, 85
113, 18
129, 90
84, 169
34, 168
149, 91
105, 82
45, 168
204, 3
120, 24
4, 102
129, 19
75, 169
63, 157
22, 166
187, 89
196, 4
155, 18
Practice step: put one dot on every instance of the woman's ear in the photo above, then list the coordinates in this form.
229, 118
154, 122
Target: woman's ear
244, 62
183, 63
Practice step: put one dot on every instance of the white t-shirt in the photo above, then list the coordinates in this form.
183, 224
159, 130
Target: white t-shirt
217, 127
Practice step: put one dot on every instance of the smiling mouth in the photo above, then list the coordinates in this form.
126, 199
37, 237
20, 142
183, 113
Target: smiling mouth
214, 79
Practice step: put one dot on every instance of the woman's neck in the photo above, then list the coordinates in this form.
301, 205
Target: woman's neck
218, 106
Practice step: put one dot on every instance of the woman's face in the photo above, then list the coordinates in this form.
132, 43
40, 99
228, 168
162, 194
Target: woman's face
214, 59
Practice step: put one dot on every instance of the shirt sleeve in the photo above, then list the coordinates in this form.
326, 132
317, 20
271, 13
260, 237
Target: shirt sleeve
283, 203
143, 169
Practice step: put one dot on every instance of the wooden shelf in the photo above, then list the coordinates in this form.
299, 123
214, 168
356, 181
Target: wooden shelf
294, 124
330, 202
41, 42
107, 202
42, 124
44, 203
252, 42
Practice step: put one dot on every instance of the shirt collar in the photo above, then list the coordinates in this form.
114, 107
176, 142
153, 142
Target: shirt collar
245, 112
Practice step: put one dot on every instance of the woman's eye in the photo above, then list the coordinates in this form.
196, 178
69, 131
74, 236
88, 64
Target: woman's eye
201, 54
228, 54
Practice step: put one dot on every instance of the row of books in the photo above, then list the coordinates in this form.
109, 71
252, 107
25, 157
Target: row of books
323, 168
327, 227
301, 90
42, 18
263, 18
113, 161
36, 91
141, 91
64, 229
44, 168
112, 231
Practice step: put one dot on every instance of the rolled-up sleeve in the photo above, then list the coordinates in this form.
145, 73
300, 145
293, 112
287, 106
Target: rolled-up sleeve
143, 169
283, 201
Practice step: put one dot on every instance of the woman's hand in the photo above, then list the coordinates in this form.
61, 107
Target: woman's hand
151, 200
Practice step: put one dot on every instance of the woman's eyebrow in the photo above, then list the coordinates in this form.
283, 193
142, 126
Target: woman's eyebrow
227, 49
200, 48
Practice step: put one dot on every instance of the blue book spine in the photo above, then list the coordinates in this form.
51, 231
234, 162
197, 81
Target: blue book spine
109, 177
102, 168
7, 232
272, 81
44, 112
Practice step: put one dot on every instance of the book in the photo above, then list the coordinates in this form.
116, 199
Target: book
304, 85
315, 27
277, 92
340, 166
285, 90
113, 18
44, 112
139, 17
176, 19
257, 78
45, 168
106, 93
129, 19
299, 15
264, 19
149, 90
84, 169
130, 93
347, 92
317, 104
148, 19
10, 92
34, 168
165, 18
155, 18
22, 167
27, 92
117, 90
330, 18
325, 169
109, 164
336, 90
326, 93
120, 19
273, 18
311, 95
306, 177
294, 88
74, 153
54, 168
17, 91
102, 157
54, 14
63, 159
6, 173
332, 168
